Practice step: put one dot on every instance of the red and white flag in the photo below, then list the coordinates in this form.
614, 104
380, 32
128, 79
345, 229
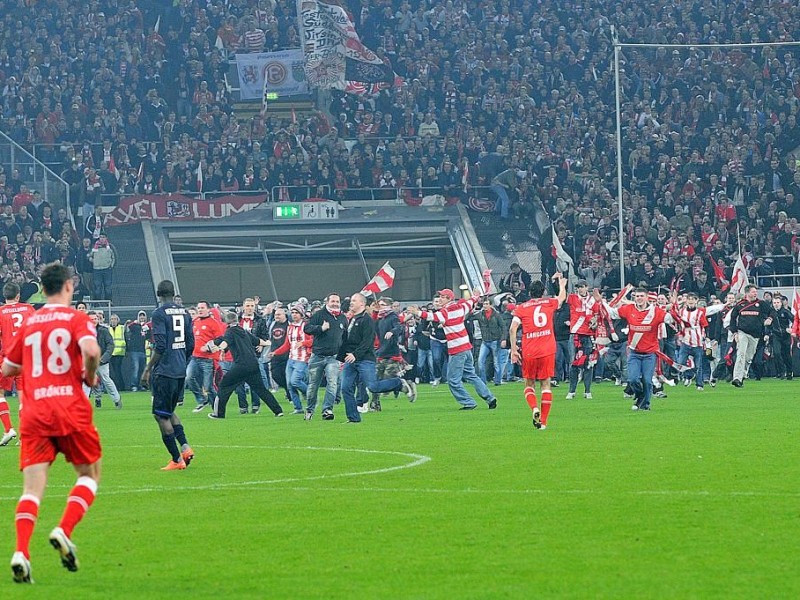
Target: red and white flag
487, 281
199, 173
796, 311
739, 278
383, 280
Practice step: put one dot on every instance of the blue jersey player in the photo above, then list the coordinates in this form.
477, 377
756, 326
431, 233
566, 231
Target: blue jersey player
173, 341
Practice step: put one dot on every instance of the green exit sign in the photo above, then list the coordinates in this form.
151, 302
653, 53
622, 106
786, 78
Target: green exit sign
286, 211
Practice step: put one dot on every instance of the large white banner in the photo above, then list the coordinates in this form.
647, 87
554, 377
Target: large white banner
282, 72
333, 51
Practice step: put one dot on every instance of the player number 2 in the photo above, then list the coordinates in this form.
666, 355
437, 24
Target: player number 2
539, 318
177, 327
58, 361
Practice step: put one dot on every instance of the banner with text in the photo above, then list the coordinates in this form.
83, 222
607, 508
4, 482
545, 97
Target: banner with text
333, 52
278, 72
175, 207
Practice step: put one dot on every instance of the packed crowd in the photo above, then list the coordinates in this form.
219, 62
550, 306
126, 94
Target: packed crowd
34, 234
513, 96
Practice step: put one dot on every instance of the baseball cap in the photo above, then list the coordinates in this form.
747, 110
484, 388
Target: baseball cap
446, 292
581, 283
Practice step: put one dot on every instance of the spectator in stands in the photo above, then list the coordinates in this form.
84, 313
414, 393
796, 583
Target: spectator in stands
517, 274
103, 258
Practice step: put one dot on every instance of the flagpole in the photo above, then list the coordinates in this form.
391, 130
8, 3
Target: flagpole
739, 238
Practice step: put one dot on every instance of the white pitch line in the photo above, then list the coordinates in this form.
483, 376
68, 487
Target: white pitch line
419, 459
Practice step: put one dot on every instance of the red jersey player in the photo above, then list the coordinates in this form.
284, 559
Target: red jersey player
56, 351
12, 316
538, 345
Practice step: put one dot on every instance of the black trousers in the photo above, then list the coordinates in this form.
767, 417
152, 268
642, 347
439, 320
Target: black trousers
782, 355
237, 375
277, 367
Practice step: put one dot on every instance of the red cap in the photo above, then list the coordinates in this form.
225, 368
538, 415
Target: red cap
446, 292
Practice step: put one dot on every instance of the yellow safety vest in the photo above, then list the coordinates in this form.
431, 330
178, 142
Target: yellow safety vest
118, 333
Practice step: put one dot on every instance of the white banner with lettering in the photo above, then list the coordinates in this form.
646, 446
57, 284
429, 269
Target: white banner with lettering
281, 71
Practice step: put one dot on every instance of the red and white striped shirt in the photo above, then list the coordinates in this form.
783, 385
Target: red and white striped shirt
694, 322
298, 342
452, 318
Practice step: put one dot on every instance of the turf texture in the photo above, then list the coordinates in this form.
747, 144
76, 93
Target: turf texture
698, 498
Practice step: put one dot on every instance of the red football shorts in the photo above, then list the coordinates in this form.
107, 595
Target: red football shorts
540, 368
79, 448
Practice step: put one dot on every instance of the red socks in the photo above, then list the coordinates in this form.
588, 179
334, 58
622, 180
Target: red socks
27, 513
547, 401
80, 499
530, 397
5, 417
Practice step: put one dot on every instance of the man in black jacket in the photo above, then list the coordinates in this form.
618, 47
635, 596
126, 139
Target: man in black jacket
779, 333
748, 319
329, 328
391, 333
358, 354
242, 345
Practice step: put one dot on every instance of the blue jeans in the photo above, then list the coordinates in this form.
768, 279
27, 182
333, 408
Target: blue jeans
296, 381
137, 366
200, 379
641, 368
503, 354
102, 280
503, 201
440, 359
317, 367
424, 357
462, 368
563, 359
365, 372
699, 355
483, 354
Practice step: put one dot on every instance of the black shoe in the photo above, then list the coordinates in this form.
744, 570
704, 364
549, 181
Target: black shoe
473, 407
327, 415
242, 411
789, 376
214, 416
737, 383
375, 406
256, 409
492, 403
98, 404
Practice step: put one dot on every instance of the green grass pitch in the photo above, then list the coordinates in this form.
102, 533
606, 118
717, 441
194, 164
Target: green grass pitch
697, 499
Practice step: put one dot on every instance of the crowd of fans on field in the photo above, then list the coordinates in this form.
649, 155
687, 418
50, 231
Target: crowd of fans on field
515, 96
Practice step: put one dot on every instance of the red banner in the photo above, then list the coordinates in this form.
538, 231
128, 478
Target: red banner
175, 207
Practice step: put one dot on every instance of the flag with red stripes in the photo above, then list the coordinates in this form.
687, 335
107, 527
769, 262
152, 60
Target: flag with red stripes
383, 280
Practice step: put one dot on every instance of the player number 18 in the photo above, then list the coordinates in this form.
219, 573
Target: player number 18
58, 361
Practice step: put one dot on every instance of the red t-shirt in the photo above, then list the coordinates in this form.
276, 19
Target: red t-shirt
12, 316
205, 330
643, 326
538, 335
47, 348
581, 311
